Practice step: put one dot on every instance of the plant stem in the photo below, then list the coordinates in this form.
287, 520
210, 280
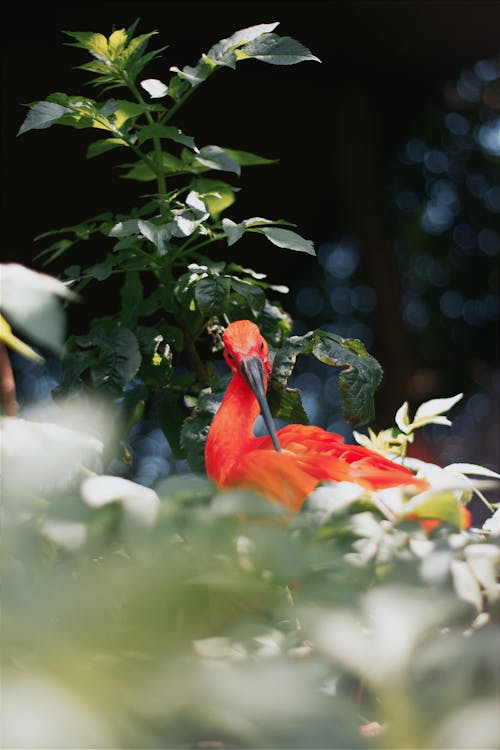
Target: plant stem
160, 176
192, 351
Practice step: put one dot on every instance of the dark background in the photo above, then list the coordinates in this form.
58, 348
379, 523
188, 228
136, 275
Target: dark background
338, 128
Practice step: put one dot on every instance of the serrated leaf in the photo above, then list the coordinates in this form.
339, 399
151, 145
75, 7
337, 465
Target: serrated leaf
218, 51
42, 115
288, 407
118, 356
288, 239
276, 50
359, 378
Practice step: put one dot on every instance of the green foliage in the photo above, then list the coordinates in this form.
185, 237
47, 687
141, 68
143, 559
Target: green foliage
180, 616
360, 374
161, 244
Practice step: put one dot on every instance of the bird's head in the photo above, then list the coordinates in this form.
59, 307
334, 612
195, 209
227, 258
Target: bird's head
247, 354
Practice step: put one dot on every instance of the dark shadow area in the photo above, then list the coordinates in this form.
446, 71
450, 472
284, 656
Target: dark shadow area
347, 176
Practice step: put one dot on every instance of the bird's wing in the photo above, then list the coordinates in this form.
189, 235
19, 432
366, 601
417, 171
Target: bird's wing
278, 476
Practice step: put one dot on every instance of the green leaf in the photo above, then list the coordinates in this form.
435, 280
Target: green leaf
288, 406
233, 231
117, 354
42, 115
131, 293
211, 294
218, 52
193, 75
171, 415
359, 378
217, 195
195, 430
138, 171
102, 270
158, 235
288, 239
215, 157
106, 144
247, 159
117, 42
95, 43
277, 50
164, 131
252, 294
442, 506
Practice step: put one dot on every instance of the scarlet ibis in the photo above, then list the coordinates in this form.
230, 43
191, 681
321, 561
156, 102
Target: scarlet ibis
284, 466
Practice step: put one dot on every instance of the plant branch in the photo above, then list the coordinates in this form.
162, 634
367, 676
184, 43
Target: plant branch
160, 176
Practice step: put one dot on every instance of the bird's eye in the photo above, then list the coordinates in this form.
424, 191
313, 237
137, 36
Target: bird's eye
229, 355
262, 346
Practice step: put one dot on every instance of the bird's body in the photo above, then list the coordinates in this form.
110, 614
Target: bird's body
284, 466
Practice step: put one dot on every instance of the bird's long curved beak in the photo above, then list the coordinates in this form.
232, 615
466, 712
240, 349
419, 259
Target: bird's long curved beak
253, 372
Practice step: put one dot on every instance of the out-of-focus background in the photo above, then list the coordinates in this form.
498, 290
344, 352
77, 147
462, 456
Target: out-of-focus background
389, 161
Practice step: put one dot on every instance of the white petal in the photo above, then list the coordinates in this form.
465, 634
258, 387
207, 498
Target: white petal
155, 88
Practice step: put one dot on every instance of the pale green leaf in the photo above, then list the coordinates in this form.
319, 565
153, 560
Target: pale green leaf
232, 230
216, 157
287, 239
436, 406
29, 301
277, 50
42, 115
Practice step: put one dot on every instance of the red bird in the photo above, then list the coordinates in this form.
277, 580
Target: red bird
285, 466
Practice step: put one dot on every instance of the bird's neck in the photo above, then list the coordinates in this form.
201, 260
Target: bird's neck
231, 430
